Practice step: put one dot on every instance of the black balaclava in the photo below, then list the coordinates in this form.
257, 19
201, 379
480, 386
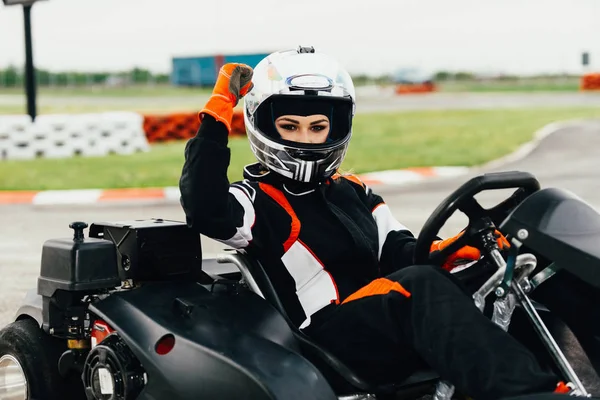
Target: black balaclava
290, 105
338, 112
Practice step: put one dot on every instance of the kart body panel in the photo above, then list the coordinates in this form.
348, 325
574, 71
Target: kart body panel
227, 345
31, 307
561, 227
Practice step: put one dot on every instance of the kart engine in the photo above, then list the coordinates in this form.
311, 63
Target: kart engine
78, 271
74, 272
116, 256
111, 371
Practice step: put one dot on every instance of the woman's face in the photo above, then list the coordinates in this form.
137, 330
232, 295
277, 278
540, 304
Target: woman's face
310, 129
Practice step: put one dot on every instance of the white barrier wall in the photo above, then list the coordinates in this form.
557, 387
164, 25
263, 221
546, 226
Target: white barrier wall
68, 135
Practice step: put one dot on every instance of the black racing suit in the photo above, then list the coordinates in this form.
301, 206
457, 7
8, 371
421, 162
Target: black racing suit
322, 243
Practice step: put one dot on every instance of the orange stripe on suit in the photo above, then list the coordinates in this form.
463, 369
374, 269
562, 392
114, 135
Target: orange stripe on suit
377, 287
279, 197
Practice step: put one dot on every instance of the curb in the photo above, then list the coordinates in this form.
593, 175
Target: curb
171, 194
411, 175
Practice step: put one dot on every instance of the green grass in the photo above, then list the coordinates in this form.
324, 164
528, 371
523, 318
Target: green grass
447, 137
567, 84
381, 141
74, 108
142, 99
524, 84
126, 91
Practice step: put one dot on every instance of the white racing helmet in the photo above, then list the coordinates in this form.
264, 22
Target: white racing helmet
299, 82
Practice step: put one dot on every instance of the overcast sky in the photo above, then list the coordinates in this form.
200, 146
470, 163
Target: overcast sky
372, 36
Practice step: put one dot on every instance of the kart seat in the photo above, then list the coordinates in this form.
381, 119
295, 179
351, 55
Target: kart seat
340, 376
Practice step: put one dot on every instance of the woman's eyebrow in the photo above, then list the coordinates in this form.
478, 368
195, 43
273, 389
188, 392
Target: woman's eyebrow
289, 120
319, 121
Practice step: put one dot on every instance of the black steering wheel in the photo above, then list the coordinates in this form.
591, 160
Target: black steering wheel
480, 220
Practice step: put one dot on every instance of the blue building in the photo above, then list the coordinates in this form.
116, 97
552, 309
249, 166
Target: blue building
202, 71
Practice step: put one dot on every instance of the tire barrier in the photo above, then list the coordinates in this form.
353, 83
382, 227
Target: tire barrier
163, 128
426, 87
64, 135
590, 82
182, 126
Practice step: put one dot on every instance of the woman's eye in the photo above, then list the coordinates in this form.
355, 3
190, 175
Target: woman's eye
288, 127
318, 128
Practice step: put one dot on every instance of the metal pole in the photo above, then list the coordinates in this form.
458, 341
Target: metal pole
548, 340
30, 87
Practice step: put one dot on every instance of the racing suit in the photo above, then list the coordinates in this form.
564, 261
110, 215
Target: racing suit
341, 265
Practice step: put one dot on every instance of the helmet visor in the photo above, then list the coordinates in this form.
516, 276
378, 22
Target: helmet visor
337, 110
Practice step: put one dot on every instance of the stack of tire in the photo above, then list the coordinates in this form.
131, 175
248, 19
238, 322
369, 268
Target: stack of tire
182, 126
590, 81
68, 135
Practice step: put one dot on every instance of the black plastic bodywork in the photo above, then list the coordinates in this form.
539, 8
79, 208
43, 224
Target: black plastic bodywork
71, 269
561, 227
31, 307
227, 346
153, 249
77, 266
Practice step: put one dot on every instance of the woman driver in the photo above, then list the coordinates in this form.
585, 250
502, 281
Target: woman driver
339, 261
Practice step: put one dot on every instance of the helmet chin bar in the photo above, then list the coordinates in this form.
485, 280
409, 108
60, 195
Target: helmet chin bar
302, 165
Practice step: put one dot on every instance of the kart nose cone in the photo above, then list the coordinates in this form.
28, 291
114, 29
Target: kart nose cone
13, 384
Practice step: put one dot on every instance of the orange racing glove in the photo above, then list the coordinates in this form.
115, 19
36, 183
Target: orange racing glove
233, 82
466, 253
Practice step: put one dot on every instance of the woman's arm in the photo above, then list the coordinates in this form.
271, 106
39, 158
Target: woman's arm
209, 206
212, 206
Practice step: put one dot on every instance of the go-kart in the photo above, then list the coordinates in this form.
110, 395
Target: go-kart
134, 312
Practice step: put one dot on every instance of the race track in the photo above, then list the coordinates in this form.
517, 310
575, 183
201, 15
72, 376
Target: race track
569, 158
369, 99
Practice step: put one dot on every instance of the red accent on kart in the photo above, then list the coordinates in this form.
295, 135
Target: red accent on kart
100, 330
279, 197
165, 344
562, 388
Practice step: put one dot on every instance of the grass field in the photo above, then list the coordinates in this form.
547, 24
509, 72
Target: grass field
152, 99
125, 91
160, 107
525, 84
381, 141
567, 84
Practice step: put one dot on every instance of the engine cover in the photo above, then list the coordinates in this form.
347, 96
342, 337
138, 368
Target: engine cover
77, 265
153, 249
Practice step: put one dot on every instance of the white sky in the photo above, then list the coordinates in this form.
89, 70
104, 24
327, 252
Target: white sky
372, 36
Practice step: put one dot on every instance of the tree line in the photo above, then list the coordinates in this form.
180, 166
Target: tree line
13, 76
